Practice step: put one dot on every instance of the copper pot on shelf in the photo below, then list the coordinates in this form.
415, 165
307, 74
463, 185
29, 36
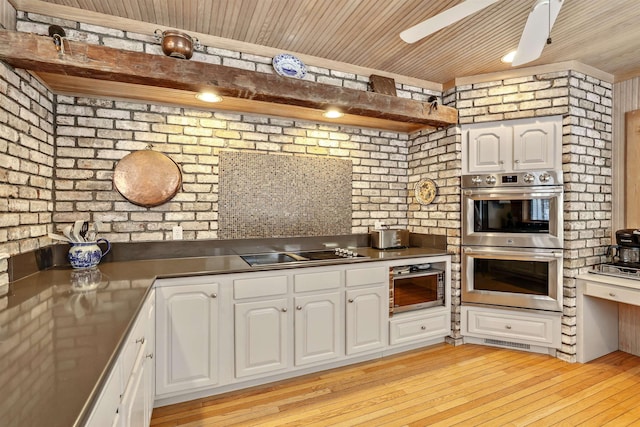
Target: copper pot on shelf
176, 44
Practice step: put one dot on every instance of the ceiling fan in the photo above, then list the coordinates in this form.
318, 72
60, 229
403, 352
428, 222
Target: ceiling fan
535, 35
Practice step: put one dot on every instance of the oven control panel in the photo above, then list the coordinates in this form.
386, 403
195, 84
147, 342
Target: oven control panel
515, 179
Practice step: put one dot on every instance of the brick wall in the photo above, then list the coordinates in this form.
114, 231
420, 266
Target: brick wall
93, 134
26, 161
585, 104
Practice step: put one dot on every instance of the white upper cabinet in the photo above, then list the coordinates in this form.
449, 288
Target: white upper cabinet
489, 149
511, 146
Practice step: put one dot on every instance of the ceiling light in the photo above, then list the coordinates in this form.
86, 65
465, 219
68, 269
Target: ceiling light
208, 97
332, 114
508, 58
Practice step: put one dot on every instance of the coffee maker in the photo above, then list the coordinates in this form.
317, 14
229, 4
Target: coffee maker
627, 250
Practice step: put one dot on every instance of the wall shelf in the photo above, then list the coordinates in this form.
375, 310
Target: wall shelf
91, 70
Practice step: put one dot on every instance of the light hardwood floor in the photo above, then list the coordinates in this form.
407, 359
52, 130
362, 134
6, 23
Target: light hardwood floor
442, 385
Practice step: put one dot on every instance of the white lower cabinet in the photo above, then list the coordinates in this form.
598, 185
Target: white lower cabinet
366, 318
127, 398
503, 326
262, 336
422, 325
275, 323
317, 328
187, 337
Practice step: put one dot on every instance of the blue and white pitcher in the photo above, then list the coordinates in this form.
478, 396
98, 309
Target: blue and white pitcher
87, 254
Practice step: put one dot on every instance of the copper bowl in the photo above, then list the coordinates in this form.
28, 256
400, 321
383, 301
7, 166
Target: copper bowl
176, 44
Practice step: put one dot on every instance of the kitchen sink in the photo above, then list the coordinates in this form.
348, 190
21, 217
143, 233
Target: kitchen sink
274, 258
268, 258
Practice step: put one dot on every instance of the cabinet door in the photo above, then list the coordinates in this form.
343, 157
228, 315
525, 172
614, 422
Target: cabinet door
261, 334
534, 146
149, 371
186, 337
317, 328
367, 314
133, 405
106, 409
489, 149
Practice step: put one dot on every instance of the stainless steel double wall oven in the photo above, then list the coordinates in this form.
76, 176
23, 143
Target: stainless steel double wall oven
512, 239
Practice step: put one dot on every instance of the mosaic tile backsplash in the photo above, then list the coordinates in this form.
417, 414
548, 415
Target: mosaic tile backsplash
266, 195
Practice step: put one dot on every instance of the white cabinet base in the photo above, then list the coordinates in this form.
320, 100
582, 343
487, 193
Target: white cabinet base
527, 330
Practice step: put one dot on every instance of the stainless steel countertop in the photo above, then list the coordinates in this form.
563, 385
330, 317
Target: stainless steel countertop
57, 344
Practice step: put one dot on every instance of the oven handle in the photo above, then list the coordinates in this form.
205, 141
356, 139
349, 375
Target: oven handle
500, 193
512, 254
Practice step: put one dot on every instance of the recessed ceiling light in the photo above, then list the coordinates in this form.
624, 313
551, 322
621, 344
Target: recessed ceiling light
208, 97
508, 58
332, 114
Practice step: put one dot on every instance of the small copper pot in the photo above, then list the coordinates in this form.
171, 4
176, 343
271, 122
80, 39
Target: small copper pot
176, 44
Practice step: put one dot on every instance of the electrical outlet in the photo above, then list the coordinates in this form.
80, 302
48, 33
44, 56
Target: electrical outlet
177, 232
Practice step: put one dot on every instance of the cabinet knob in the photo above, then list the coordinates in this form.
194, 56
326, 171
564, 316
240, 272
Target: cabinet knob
611, 294
214, 295
507, 326
423, 327
350, 299
299, 307
517, 161
140, 340
284, 310
501, 162
149, 356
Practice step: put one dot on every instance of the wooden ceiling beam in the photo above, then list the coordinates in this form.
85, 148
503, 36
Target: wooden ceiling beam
38, 54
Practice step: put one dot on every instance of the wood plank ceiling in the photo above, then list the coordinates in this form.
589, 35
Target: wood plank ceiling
600, 33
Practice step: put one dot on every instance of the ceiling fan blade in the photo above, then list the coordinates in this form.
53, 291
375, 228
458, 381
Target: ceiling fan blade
444, 19
536, 31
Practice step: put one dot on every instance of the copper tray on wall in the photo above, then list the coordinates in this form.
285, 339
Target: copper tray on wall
147, 178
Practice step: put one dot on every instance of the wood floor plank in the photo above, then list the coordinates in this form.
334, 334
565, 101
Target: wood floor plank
441, 385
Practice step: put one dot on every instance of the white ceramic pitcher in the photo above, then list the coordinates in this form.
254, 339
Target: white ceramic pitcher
87, 254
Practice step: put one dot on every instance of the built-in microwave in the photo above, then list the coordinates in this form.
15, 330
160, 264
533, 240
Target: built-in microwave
415, 287
516, 210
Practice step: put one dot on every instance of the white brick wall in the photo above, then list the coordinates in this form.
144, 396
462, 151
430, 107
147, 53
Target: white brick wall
26, 161
585, 103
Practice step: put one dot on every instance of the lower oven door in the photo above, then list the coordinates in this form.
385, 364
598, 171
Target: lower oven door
512, 277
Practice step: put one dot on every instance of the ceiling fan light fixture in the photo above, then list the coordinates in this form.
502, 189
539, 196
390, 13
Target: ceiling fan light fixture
332, 114
208, 97
508, 58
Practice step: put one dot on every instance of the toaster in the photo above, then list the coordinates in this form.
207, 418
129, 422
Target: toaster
389, 239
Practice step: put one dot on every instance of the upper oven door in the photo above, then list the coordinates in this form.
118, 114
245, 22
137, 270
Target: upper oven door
514, 216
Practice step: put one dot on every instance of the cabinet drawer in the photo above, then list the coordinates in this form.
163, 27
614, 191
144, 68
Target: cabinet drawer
415, 328
318, 281
259, 287
613, 293
519, 326
367, 276
137, 339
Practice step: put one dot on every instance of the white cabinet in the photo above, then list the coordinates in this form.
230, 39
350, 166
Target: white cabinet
504, 326
366, 318
512, 146
420, 325
262, 339
367, 308
127, 398
109, 401
317, 328
187, 337
488, 149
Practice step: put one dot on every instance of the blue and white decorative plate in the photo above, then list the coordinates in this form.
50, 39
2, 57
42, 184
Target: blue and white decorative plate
289, 66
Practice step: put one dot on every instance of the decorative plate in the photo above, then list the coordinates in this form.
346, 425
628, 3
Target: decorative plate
289, 66
425, 191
